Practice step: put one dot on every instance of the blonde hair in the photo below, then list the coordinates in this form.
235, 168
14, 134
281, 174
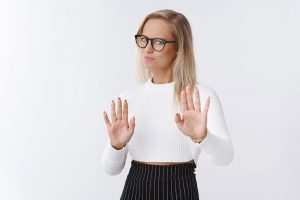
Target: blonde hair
184, 70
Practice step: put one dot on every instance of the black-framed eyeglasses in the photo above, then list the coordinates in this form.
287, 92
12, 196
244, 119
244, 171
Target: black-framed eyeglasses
157, 44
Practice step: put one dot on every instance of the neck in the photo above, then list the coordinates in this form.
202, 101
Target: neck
163, 86
161, 79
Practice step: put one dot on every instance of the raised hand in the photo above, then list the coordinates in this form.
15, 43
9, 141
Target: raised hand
120, 132
193, 122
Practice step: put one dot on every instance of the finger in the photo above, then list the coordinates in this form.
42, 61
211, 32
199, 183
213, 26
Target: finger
197, 100
183, 102
119, 111
107, 122
125, 111
132, 124
189, 97
178, 120
206, 106
113, 111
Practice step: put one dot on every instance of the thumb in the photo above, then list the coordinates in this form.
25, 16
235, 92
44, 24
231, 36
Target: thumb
132, 124
178, 120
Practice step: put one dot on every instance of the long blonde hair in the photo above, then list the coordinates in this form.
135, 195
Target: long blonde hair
184, 69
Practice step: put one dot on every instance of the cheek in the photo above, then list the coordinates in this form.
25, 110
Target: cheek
167, 56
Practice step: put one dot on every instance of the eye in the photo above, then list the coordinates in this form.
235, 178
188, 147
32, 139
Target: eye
159, 42
143, 39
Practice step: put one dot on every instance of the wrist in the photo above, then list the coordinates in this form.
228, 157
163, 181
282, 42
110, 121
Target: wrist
117, 146
199, 139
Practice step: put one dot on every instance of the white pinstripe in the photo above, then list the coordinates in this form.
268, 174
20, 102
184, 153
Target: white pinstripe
141, 182
150, 183
191, 188
179, 182
167, 185
147, 179
154, 194
175, 185
184, 183
130, 185
158, 184
171, 181
163, 182
135, 182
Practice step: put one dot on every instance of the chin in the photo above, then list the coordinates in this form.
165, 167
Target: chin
147, 65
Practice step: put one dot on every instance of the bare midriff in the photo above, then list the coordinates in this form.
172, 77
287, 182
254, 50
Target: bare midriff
165, 163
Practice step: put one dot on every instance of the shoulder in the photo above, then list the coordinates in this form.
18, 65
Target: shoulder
206, 90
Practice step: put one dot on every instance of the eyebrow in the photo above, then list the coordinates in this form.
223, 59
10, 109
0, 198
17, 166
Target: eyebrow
155, 37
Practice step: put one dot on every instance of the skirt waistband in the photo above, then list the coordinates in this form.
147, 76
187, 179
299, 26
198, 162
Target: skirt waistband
143, 171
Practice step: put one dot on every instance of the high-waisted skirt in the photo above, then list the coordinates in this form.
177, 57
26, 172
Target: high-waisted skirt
160, 182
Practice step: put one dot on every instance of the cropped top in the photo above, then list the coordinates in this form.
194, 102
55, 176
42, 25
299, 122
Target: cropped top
157, 138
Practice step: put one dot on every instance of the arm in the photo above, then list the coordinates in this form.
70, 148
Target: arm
113, 160
217, 144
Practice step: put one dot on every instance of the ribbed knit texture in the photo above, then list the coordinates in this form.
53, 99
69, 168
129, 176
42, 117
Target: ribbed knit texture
157, 138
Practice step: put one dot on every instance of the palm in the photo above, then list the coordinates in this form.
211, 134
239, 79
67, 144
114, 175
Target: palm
119, 130
193, 122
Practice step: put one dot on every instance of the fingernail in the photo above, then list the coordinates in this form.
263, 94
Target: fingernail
119, 98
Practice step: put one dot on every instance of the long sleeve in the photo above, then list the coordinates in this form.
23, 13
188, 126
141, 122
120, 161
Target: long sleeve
217, 144
113, 160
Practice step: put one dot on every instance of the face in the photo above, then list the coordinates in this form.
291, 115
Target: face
153, 60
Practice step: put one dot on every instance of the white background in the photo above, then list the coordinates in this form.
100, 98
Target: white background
63, 61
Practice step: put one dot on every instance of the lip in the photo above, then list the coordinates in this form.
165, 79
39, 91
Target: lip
148, 58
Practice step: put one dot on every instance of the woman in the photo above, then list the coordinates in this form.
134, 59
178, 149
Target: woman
165, 145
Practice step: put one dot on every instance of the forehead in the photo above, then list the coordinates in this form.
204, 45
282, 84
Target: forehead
157, 28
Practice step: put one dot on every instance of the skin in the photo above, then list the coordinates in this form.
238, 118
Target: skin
161, 66
192, 122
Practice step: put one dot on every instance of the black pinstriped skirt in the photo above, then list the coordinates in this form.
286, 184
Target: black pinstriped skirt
160, 182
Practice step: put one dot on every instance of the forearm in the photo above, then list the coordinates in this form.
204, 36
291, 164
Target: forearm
219, 150
113, 160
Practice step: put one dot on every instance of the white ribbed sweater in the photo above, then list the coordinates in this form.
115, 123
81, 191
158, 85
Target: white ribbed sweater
157, 138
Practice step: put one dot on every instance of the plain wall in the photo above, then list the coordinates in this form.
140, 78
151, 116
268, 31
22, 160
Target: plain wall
62, 62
